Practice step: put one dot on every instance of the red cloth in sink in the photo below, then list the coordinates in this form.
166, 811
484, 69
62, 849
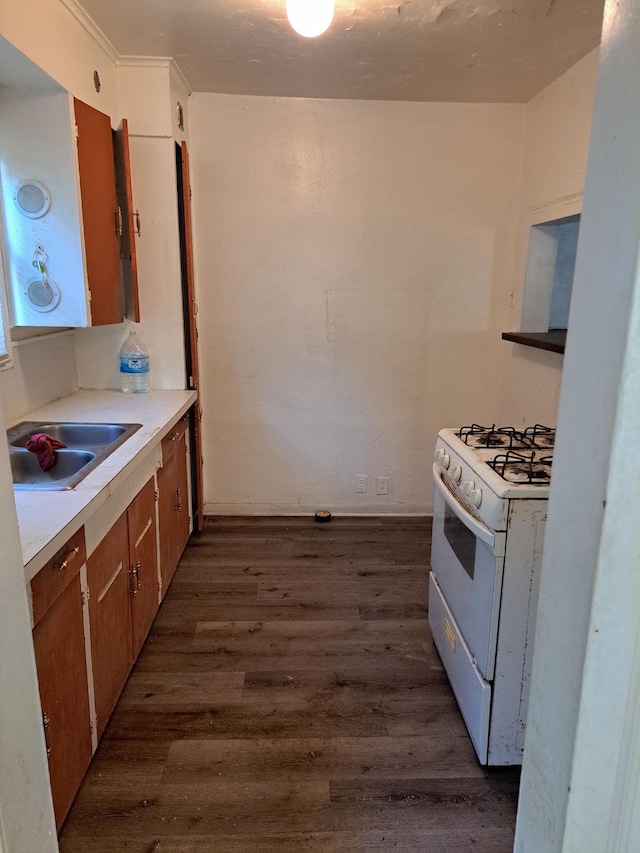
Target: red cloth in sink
44, 446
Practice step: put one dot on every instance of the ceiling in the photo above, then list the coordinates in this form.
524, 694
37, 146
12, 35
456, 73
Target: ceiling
411, 50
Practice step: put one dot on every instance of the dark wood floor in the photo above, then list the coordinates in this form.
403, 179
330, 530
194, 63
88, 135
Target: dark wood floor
289, 699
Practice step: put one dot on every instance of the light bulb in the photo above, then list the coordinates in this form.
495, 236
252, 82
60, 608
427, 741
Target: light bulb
310, 18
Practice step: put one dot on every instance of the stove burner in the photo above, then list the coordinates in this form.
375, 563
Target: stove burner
481, 436
522, 468
540, 436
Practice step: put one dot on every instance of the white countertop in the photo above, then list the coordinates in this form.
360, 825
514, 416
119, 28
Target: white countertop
47, 518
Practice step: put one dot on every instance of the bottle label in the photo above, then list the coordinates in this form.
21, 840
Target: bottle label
137, 364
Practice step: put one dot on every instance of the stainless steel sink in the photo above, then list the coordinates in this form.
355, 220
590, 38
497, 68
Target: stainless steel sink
88, 444
73, 435
27, 473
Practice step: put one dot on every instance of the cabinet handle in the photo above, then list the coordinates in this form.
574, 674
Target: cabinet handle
59, 567
137, 218
45, 724
134, 571
118, 215
174, 436
178, 500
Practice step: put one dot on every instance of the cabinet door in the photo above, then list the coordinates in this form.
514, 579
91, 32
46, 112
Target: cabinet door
58, 640
182, 495
109, 582
167, 516
130, 221
191, 327
174, 501
143, 557
99, 214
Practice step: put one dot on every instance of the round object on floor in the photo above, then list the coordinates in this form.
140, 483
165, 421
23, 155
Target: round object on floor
323, 515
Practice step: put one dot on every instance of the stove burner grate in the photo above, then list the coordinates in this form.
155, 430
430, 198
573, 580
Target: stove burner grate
522, 468
482, 436
540, 436
537, 437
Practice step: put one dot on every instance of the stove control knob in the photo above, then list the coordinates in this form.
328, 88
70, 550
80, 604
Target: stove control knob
467, 487
475, 497
442, 459
456, 474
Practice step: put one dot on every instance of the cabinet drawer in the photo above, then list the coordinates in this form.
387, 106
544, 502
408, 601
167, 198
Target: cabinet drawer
57, 574
472, 692
173, 438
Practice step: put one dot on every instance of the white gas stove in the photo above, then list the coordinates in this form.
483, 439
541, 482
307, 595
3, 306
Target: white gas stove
491, 491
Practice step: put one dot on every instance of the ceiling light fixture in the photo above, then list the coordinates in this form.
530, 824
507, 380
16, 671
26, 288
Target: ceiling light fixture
310, 18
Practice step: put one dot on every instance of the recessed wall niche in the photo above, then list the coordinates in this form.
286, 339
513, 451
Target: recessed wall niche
551, 262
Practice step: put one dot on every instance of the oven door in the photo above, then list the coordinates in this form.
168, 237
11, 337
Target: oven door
467, 559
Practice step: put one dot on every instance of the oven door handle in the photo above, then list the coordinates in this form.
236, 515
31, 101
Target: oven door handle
476, 527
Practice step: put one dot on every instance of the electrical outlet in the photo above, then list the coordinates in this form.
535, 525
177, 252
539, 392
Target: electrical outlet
382, 486
361, 482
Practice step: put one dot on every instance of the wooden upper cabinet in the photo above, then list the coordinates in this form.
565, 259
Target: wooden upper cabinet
130, 221
69, 237
100, 218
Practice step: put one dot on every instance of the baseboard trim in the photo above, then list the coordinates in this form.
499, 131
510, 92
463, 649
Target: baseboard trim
211, 510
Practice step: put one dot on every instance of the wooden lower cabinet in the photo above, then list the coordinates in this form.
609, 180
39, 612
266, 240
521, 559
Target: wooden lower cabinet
122, 575
121, 601
143, 556
173, 509
59, 644
109, 581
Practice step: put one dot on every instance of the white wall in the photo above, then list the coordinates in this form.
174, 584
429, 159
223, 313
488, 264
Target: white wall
44, 369
26, 811
558, 122
353, 265
580, 786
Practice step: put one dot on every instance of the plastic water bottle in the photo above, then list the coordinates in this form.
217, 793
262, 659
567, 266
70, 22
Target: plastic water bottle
134, 366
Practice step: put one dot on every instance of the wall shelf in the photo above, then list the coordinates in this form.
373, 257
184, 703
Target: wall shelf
553, 340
